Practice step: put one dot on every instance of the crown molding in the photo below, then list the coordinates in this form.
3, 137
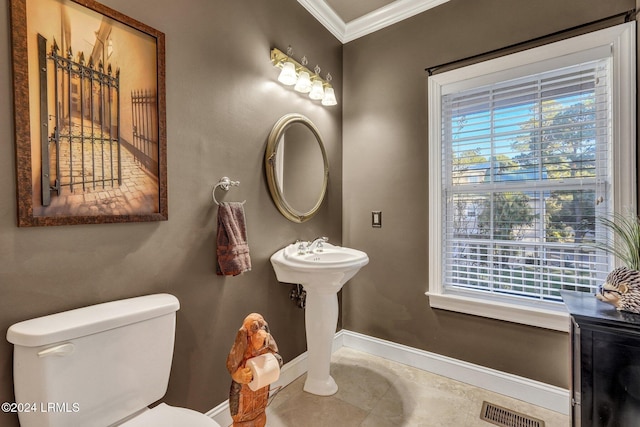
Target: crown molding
388, 15
376, 20
326, 16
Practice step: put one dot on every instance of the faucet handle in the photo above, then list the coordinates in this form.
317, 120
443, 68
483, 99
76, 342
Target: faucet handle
302, 248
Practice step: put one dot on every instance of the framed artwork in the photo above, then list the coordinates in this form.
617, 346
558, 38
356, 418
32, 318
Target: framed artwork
89, 105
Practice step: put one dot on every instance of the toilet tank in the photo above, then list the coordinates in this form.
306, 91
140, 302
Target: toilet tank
95, 365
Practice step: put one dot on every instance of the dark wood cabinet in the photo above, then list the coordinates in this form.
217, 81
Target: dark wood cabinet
605, 363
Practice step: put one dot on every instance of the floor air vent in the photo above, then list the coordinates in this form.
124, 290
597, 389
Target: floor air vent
506, 417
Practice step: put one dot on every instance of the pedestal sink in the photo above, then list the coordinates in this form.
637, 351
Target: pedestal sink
322, 272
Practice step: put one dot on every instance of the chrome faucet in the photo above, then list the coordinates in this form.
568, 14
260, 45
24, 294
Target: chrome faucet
317, 244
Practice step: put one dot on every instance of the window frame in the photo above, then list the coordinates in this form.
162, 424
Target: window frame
621, 40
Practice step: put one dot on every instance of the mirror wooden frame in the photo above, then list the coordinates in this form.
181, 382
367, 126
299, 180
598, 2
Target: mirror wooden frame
270, 166
152, 205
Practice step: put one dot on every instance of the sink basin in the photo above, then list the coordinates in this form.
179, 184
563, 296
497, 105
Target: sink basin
322, 273
322, 270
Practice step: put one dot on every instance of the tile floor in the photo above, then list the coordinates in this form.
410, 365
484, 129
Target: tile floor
375, 392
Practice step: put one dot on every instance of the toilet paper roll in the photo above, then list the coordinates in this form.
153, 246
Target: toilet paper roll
265, 369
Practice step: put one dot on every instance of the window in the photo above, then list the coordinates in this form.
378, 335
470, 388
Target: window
525, 152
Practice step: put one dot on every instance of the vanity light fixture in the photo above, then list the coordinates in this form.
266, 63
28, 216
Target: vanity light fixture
297, 74
329, 97
317, 86
288, 75
303, 85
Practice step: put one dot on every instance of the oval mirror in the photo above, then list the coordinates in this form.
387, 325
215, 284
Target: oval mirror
297, 167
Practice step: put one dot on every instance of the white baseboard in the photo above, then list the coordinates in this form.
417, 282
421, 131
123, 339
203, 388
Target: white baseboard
535, 392
527, 390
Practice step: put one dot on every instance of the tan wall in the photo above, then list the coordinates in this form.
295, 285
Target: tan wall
222, 100
385, 157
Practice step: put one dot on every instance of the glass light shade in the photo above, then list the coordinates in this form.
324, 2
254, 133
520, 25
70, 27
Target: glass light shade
303, 85
329, 97
288, 74
317, 91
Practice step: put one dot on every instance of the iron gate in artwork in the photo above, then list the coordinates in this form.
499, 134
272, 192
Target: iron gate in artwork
83, 152
145, 130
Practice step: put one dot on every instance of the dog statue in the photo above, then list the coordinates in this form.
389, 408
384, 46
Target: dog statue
253, 339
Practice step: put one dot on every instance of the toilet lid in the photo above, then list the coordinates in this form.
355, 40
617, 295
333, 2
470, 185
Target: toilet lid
164, 415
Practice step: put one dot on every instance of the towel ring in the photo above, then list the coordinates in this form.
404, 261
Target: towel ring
225, 183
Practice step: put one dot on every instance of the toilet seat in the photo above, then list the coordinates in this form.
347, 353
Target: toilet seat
164, 415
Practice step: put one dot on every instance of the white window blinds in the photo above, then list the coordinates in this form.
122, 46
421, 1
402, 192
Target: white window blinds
525, 172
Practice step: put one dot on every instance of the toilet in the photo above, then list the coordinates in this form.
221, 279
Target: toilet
99, 366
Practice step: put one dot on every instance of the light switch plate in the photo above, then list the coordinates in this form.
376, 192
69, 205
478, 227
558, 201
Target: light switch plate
376, 219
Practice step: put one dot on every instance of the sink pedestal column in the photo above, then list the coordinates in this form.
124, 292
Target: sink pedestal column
322, 273
321, 318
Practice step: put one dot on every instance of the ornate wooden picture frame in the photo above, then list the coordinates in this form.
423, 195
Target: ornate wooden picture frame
90, 106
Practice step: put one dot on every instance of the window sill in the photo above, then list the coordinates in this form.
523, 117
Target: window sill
542, 318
